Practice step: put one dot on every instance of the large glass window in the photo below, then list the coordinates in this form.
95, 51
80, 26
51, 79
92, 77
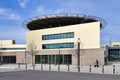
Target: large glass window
67, 59
12, 48
54, 59
58, 36
9, 59
37, 59
58, 45
114, 55
45, 59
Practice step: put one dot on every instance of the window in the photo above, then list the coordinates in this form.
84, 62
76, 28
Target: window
53, 59
58, 45
58, 36
114, 54
12, 48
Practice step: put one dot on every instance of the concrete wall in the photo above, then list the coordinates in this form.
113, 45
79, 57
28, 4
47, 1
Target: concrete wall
89, 56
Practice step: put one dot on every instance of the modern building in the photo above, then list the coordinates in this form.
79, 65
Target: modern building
55, 39
113, 52
11, 52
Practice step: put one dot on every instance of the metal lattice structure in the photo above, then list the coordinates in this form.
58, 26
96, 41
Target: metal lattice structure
57, 20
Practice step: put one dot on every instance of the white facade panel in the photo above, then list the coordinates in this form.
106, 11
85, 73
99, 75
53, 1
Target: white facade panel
89, 34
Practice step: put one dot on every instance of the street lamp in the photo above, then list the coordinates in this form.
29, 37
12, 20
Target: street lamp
78, 54
25, 56
59, 59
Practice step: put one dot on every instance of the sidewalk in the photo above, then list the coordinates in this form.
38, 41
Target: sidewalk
9, 68
109, 69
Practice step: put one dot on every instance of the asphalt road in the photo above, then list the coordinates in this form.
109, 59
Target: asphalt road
45, 75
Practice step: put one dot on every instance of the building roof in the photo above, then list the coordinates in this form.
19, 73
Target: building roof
43, 22
115, 43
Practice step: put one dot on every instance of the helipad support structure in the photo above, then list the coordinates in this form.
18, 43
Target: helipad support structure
56, 39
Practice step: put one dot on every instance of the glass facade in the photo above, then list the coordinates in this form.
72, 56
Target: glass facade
114, 54
58, 45
53, 59
8, 59
12, 48
58, 36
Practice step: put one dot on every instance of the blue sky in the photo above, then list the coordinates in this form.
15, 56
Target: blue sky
14, 12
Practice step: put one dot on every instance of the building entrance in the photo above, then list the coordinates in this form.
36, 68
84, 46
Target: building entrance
53, 59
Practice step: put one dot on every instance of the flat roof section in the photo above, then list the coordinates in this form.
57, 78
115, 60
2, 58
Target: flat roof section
43, 22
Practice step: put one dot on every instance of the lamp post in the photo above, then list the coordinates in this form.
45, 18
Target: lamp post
25, 56
25, 61
59, 59
78, 54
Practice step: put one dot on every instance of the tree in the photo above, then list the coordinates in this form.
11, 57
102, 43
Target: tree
32, 50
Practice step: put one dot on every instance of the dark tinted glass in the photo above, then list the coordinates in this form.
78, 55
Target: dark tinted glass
58, 36
58, 45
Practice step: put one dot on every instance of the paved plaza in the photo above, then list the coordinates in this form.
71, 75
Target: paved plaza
63, 68
13, 72
53, 75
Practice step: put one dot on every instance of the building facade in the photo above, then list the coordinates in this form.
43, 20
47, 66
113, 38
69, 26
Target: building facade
54, 40
59, 44
11, 52
113, 52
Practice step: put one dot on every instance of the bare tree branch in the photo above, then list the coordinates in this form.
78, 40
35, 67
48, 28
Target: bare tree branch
32, 49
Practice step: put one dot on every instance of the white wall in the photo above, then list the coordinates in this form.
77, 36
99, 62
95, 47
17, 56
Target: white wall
89, 34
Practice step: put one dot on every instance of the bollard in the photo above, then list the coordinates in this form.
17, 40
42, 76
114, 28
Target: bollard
102, 68
78, 68
33, 66
59, 67
90, 69
113, 69
68, 67
41, 66
26, 66
18, 65
49, 67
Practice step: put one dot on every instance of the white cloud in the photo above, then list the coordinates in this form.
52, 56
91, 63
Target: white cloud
14, 16
8, 14
41, 10
23, 3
